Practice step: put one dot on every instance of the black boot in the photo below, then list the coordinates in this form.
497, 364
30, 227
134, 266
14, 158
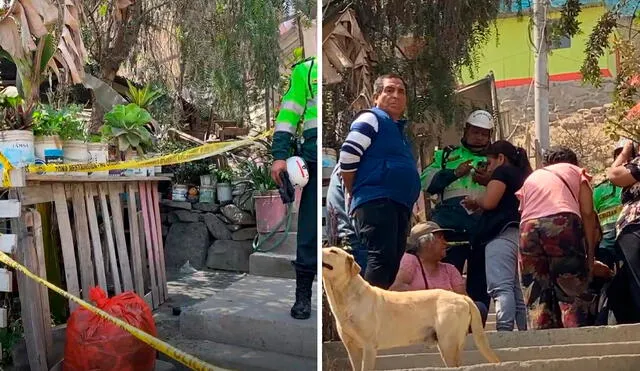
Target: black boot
302, 307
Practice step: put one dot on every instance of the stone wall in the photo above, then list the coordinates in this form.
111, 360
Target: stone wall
565, 99
207, 235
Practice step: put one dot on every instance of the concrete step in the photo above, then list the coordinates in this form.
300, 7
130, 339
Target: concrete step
515, 339
623, 362
238, 358
270, 264
405, 361
253, 313
288, 245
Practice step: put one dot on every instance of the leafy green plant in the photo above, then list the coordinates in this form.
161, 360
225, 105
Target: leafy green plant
257, 180
62, 122
126, 125
257, 177
189, 172
224, 175
143, 97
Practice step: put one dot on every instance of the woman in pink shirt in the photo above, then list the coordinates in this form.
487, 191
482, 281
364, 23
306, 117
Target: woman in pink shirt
559, 231
421, 268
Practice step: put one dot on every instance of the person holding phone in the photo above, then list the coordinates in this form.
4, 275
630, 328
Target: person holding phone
455, 173
498, 231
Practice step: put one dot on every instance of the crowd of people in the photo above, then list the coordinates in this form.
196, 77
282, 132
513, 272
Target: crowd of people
548, 248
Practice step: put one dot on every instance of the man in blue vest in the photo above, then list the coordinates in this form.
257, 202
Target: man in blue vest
381, 179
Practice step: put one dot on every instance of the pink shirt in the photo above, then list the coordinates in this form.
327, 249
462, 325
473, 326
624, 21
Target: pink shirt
446, 277
544, 194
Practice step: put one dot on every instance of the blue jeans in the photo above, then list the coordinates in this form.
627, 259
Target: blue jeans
503, 283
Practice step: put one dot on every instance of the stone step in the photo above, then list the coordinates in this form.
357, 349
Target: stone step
270, 264
622, 362
253, 313
287, 246
518, 339
238, 358
405, 361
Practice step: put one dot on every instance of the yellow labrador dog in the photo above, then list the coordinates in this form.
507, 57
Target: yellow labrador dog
369, 318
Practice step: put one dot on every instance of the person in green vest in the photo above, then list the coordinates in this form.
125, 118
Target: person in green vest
297, 122
606, 201
455, 173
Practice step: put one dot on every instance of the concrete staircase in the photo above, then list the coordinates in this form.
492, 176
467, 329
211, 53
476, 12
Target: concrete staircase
247, 325
611, 348
276, 262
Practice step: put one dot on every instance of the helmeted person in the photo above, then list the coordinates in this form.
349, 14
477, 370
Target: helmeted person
455, 173
607, 203
297, 121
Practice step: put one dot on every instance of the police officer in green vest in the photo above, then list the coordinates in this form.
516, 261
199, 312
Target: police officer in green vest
606, 201
297, 122
457, 172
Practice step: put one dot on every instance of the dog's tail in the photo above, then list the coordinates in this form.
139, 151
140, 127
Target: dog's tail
479, 337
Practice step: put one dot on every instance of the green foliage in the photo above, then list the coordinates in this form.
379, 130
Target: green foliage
223, 175
451, 33
125, 124
228, 46
143, 97
189, 172
62, 122
258, 176
597, 44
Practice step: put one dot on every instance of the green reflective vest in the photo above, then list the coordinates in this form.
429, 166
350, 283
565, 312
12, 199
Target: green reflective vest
463, 186
298, 110
606, 202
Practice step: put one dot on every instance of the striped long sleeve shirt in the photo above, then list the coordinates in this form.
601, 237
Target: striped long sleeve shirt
362, 132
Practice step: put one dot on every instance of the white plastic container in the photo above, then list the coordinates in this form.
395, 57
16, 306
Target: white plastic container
18, 147
98, 154
225, 192
179, 192
76, 152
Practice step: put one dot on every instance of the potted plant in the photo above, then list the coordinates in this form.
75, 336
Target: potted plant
224, 177
15, 144
98, 152
262, 191
125, 124
51, 127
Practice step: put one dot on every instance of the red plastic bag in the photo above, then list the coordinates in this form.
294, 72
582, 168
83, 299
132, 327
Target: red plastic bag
94, 343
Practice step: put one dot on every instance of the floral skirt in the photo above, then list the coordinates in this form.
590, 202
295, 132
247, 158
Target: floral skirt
554, 272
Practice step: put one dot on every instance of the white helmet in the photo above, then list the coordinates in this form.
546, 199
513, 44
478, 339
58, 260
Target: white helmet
298, 171
481, 118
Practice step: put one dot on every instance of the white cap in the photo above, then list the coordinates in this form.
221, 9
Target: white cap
297, 171
481, 119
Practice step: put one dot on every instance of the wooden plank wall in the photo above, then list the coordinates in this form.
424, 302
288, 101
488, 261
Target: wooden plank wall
110, 236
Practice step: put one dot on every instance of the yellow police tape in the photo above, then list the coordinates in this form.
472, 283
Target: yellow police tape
180, 356
193, 154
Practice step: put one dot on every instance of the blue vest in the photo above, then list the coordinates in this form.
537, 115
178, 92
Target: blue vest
387, 168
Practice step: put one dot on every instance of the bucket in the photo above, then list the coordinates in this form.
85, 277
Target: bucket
98, 154
179, 192
206, 180
75, 152
225, 192
269, 212
48, 150
17, 147
207, 194
132, 156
